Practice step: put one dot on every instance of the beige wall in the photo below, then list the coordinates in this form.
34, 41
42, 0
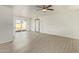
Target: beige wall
6, 24
21, 11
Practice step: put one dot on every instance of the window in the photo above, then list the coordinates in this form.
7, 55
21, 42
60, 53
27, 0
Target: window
29, 24
20, 25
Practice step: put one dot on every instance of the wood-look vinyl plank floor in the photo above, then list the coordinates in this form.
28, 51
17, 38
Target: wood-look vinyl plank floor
31, 42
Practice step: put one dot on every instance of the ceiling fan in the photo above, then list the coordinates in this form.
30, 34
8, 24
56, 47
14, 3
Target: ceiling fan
45, 8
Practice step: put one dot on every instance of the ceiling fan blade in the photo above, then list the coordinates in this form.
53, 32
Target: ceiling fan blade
44, 7
50, 9
49, 6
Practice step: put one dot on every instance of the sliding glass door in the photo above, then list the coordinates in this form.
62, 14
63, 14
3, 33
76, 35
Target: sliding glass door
27, 24
21, 25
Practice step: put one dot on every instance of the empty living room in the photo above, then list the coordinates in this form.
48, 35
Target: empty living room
39, 28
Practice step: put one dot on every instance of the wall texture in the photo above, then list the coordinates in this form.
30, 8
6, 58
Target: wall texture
6, 24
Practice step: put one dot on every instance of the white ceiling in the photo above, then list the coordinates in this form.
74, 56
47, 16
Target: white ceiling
56, 7
34, 11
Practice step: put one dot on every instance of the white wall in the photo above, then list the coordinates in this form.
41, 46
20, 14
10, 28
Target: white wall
21, 11
6, 24
62, 21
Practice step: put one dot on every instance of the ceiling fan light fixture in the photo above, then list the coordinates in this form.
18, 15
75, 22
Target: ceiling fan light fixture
44, 10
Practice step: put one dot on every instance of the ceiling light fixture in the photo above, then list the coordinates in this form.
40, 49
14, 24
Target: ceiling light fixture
44, 10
